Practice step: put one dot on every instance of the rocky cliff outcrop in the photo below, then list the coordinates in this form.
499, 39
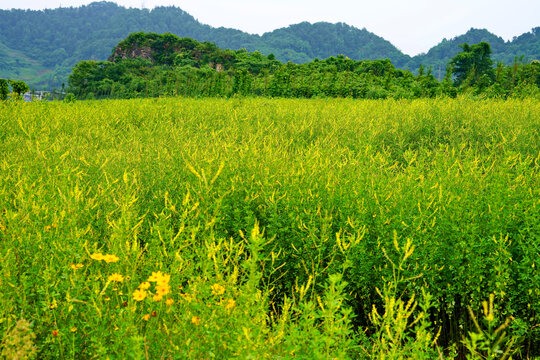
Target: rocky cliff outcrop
132, 52
170, 50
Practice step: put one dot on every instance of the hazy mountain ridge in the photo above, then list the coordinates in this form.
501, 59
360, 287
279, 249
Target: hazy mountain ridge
54, 40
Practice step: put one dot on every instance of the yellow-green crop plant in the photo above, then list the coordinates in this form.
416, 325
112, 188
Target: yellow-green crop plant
270, 229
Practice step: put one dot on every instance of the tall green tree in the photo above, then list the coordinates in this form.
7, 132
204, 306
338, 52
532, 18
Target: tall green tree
19, 87
4, 89
473, 64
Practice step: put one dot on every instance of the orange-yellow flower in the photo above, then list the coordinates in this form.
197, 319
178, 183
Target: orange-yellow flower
146, 317
116, 277
73, 329
163, 289
155, 277
165, 278
196, 320
157, 298
110, 258
169, 302
55, 333
218, 289
145, 285
97, 256
139, 295
76, 266
229, 304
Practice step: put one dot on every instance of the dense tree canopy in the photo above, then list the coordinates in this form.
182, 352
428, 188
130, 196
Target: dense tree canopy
4, 89
19, 87
473, 63
183, 66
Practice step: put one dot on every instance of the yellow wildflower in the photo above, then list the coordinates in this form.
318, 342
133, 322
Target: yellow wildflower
139, 295
97, 256
76, 266
110, 258
145, 285
165, 278
157, 298
73, 329
196, 320
218, 289
229, 304
146, 317
155, 277
116, 277
169, 302
53, 305
163, 289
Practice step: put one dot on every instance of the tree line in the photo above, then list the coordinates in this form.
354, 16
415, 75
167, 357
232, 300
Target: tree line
182, 66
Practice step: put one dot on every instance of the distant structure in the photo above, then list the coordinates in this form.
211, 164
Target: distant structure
36, 96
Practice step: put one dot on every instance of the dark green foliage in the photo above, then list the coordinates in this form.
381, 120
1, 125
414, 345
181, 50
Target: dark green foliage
183, 66
19, 87
473, 65
4, 89
70, 98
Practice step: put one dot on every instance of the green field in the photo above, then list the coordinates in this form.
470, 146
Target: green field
290, 229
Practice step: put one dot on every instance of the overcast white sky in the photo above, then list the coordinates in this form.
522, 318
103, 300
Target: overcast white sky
413, 26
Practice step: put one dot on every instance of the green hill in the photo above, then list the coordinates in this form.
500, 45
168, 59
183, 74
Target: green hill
43, 46
526, 45
304, 42
15, 65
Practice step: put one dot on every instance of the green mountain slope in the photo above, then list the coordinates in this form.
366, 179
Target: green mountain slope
526, 45
44, 45
16, 65
304, 42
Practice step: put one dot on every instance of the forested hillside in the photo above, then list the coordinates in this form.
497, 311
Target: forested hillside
41, 47
153, 65
305, 42
526, 45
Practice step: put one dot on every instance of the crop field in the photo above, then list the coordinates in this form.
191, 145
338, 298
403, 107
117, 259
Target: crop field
245, 228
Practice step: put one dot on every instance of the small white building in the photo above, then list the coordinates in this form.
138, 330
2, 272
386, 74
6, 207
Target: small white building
36, 95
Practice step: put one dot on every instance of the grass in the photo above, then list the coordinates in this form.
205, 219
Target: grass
289, 228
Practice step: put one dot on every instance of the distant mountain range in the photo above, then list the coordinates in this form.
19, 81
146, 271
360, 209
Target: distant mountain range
41, 47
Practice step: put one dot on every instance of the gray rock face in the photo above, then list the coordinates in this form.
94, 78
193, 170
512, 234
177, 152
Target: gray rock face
133, 52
